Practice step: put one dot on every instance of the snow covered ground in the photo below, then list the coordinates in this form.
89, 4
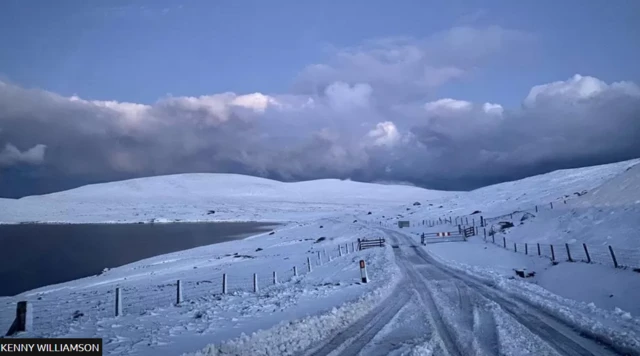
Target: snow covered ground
151, 324
300, 314
191, 197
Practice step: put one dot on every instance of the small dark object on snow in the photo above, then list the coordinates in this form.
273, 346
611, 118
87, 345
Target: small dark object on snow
505, 225
210, 212
77, 314
272, 232
440, 206
416, 203
320, 239
476, 212
636, 270
580, 193
610, 295
355, 221
554, 263
408, 209
258, 249
523, 274
369, 213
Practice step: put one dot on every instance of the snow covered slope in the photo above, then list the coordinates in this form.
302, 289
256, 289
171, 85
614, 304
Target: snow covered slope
624, 189
191, 197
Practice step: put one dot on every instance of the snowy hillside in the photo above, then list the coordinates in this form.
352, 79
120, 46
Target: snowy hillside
192, 197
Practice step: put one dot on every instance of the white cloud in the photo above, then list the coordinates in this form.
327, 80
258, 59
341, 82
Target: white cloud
447, 105
385, 134
257, 102
495, 109
11, 155
577, 88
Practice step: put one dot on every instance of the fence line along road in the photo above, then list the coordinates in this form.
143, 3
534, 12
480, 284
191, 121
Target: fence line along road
126, 299
599, 254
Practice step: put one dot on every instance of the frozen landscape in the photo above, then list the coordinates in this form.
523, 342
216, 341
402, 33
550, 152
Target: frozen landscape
452, 298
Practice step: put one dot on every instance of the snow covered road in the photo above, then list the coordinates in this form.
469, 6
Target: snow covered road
436, 310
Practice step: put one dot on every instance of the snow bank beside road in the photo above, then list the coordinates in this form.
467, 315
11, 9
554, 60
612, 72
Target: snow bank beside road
290, 337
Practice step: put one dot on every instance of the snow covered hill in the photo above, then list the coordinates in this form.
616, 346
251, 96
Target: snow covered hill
193, 197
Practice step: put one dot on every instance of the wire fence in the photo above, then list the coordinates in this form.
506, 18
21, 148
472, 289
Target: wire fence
474, 219
599, 254
49, 310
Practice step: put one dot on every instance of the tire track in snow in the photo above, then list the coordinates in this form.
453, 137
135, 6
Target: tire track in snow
561, 337
355, 337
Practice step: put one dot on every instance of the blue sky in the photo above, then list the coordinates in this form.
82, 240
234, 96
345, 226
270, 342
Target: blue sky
139, 51
443, 94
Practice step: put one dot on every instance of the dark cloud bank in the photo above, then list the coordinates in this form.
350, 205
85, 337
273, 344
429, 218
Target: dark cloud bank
364, 115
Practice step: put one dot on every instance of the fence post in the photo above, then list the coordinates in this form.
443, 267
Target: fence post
255, 283
224, 283
275, 277
459, 229
295, 271
553, 254
613, 257
568, 252
23, 320
526, 248
515, 247
346, 248
309, 264
363, 272
504, 242
339, 250
118, 302
319, 259
539, 250
551, 205
353, 247
178, 292
493, 238
586, 252
536, 208
481, 221
485, 233
511, 216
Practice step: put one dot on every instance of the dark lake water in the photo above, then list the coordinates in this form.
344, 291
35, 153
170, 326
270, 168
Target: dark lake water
37, 255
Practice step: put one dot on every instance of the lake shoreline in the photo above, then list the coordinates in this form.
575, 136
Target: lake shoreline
41, 255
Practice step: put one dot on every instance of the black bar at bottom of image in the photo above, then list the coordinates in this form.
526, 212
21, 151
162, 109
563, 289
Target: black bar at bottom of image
26, 347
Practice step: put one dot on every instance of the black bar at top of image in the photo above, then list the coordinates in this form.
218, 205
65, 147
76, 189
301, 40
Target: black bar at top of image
27, 347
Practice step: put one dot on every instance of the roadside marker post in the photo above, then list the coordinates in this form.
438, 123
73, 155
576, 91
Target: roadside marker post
363, 272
